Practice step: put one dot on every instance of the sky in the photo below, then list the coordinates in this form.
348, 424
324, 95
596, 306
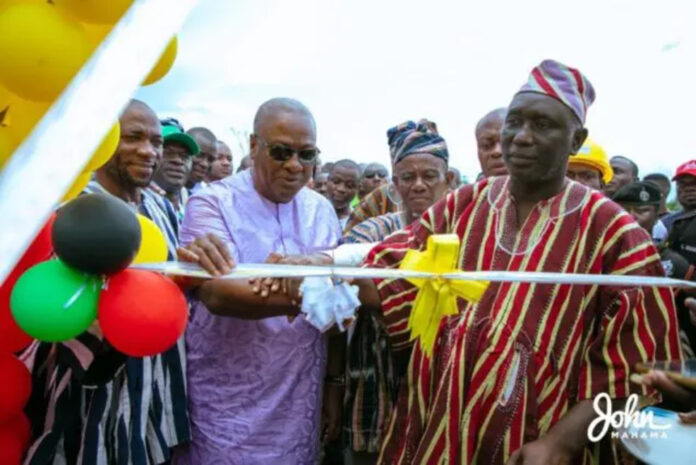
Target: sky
363, 66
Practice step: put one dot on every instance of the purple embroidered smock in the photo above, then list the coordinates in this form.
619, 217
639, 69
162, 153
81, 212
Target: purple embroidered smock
255, 385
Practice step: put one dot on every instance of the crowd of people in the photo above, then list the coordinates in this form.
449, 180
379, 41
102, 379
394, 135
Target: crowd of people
512, 377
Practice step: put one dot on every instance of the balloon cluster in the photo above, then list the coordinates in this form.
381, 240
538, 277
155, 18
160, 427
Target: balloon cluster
95, 238
43, 45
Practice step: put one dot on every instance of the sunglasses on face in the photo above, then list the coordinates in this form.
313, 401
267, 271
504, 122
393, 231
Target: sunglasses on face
379, 174
282, 153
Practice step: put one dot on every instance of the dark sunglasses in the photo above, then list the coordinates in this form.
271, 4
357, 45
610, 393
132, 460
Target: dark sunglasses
372, 174
282, 153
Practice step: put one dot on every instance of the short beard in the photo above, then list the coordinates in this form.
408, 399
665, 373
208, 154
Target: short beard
122, 178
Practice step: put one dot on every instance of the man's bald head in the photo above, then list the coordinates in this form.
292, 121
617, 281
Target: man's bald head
204, 133
488, 142
139, 150
139, 104
283, 148
277, 107
495, 117
207, 142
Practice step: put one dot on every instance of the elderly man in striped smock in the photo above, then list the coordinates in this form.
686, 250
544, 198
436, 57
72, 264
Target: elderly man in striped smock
91, 404
512, 377
421, 178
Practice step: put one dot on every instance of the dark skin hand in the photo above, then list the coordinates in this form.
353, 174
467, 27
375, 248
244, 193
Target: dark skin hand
228, 297
672, 390
563, 442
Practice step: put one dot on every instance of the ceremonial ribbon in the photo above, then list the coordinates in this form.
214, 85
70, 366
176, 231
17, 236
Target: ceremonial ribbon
437, 297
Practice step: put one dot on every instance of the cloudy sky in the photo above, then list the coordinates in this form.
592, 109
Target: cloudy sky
362, 66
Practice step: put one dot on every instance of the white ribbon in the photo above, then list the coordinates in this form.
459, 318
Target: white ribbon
325, 303
265, 270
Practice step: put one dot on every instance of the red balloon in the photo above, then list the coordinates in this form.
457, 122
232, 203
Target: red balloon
15, 387
12, 338
142, 313
11, 449
20, 427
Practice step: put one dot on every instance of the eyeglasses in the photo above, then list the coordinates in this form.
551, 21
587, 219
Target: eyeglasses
372, 174
282, 153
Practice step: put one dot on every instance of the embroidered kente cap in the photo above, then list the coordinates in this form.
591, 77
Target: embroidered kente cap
567, 85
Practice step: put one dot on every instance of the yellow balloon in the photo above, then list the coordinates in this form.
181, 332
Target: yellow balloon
95, 11
22, 115
41, 50
77, 187
96, 33
153, 246
7, 145
105, 150
164, 64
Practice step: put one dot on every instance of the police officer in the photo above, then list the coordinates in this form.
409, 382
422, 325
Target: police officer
642, 200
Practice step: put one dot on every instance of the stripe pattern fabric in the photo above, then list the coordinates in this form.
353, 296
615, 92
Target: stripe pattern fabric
506, 369
92, 405
371, 380
379, 202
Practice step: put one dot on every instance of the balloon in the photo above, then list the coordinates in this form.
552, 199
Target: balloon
77, 186
22, 115
10, 448
142, 313
105, 150
95, 11
53, 302
7, 145
41, 50
12, 338
15, 387
97, 33
153, 246
165, 63
97, 234
18, 426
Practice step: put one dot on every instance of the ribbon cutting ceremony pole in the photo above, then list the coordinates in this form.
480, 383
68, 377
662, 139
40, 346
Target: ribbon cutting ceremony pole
46, 163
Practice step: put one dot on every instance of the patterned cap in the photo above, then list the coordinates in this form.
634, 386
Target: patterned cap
565, 84
639, 193
410, 138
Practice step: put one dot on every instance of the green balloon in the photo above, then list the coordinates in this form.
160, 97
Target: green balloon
53, 302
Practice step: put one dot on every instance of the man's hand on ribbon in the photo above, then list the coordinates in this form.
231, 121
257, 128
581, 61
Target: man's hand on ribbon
210, 253
289, 286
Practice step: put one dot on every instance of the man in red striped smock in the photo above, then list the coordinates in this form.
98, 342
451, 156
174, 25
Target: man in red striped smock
512, 378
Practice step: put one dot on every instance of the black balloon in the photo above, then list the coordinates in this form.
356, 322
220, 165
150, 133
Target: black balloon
97, 234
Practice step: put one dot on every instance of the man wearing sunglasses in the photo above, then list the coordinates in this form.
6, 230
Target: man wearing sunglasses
255, 377
374, 175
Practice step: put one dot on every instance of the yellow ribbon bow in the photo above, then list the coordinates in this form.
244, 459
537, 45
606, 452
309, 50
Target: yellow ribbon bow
437, 297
